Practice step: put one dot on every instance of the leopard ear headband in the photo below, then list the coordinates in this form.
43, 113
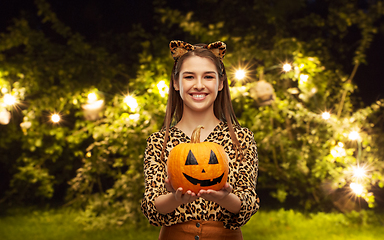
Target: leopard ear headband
179, 48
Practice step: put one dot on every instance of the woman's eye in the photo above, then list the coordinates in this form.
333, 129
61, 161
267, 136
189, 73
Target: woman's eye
188, 77
209, 77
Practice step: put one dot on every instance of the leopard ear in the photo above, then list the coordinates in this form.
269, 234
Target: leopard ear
218, 48
179, 48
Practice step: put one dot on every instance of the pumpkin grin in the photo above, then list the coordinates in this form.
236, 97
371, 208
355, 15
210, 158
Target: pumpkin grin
197, 166
204, 183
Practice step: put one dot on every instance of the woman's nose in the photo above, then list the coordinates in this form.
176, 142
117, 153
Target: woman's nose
199, 85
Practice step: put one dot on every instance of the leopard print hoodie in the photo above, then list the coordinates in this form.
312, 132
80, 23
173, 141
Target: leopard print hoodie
242, 176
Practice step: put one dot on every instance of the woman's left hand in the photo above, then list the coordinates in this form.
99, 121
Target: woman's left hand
216, 196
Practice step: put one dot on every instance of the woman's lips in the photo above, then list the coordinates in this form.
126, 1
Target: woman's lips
199, 96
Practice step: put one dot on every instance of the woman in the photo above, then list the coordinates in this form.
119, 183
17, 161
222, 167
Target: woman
199, 95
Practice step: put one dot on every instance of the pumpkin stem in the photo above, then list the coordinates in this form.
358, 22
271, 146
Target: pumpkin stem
195, 138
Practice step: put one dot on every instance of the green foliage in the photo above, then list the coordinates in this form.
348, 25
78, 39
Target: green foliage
96, 155
278, 224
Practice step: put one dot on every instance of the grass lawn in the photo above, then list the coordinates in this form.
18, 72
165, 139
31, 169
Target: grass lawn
267, 225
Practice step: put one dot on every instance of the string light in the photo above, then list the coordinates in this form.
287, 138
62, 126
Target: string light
92, 97
9, 100
55, 118
163, 88
93, 107
326, 115
359, 172
354, 135
131, 102
338, 151
304, 78
357, 188
287, 67
134, 117
240, 74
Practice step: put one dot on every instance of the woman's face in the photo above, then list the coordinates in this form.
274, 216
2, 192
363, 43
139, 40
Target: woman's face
198, 84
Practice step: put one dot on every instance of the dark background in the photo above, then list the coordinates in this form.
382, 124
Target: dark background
93, 18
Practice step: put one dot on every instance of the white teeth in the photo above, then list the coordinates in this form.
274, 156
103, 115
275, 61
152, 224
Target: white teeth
199, 96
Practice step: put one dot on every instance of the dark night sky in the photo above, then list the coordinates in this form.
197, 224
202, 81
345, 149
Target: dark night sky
92, 17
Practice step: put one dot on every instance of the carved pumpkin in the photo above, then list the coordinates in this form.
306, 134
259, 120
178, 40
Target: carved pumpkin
194, 166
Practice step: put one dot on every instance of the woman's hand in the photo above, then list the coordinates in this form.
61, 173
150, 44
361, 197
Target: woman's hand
216, 196
187, 197
223, 197
170, 201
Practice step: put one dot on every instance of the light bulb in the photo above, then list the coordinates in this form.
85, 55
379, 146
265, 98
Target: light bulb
240, 74
354, 135
9, 100
357, 188
359, 172
287, 67
92, 97
131, 102
55, 118
326, 115
163, 88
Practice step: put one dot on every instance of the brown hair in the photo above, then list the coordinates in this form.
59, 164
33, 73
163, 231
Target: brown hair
222, 107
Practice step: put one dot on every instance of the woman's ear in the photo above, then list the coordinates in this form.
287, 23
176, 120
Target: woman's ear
221, 85
176, 85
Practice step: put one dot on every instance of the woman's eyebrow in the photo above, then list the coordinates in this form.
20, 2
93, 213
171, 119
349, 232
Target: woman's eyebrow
209, 72
187, 72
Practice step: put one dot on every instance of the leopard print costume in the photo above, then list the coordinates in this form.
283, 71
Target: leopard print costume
242, 176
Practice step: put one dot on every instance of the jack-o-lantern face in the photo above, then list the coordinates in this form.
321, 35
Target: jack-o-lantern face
194, 166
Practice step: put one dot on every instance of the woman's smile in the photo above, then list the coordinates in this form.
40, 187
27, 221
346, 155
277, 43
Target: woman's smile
198, 96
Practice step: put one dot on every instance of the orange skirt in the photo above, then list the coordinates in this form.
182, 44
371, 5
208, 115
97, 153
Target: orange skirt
199, 230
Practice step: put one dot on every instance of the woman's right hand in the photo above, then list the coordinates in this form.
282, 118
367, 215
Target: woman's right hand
187, 197
170, 201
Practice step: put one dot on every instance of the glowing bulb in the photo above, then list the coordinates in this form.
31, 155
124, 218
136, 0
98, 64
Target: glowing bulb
357, 188
94, 105
304, 77
9, 100
338, 151
287, 67
359, 172
131, 102
92, 97
55, 118
134, 117
326, 115
163, 88
354, 135
240, 74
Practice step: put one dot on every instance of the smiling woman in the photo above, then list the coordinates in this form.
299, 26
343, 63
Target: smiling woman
189, 189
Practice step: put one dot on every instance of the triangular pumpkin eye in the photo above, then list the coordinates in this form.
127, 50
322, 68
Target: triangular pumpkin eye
191, 160
213, 158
